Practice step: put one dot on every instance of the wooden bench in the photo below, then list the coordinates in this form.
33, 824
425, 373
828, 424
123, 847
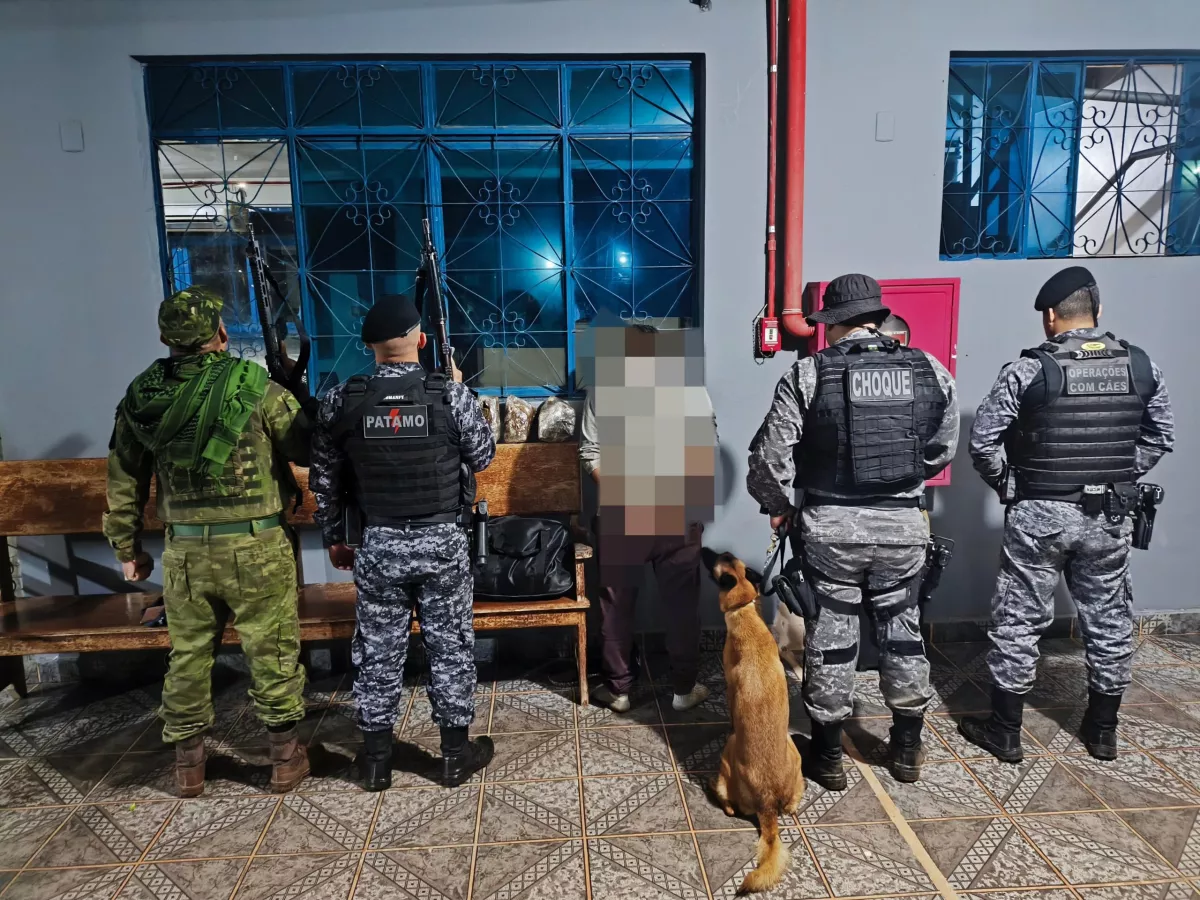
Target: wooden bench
66, 497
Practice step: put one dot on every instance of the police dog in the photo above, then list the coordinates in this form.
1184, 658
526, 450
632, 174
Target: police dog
760, 766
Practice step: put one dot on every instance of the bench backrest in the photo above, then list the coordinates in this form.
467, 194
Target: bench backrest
66, 496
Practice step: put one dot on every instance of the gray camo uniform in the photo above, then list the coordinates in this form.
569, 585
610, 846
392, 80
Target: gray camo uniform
852, 550
1044, 539
398, 568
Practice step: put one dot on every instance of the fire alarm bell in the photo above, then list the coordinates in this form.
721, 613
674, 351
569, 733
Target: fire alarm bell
768, 336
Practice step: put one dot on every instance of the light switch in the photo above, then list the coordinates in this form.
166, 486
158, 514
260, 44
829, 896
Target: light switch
70, 135
885, 126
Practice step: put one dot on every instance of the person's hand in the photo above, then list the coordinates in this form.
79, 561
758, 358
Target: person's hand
139, 568
596, 475
455, 373
778, 522
342, 557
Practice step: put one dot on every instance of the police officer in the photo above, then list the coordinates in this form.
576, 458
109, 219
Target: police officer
393, 446
859, 426
1080, 416
217, 435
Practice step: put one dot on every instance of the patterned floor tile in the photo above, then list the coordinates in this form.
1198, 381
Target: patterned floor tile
624, 751
1160, 726
856, 804
426, 817
945, 790
1175, 833
706, 815
441, 874
210, 879
203, 829
635, 804
870, 737
1056, 730
954, 693
317, 877
728, 858
1093, 848
318, 822
224, 719
1047, 894
970, 657
24, 831
1037, 785
1177, 685
1185, 647
545, 711
530, 811
697, 748
338, 727
662, 867
979, 854
68, 884
1157, 652
713, 711
51, 780
250, 732
541, 756
334, 768
525, 678
866, 859
947, 729
531, 872
644, 710
105, 834
1131, 781
420, 719
1173, 891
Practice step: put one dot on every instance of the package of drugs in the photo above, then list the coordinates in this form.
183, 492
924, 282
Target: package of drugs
555, 421
518, 420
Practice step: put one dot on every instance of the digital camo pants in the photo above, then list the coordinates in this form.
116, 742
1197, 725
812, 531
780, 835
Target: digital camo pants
204, 581
1044, 539
841, 574
395, 570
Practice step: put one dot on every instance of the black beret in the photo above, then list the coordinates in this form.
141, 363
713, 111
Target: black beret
392, 316
1062, 286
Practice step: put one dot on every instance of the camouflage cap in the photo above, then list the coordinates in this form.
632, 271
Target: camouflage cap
188, 319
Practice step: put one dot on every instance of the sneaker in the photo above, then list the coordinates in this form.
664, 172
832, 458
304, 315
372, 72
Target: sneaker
618, 703
690, 700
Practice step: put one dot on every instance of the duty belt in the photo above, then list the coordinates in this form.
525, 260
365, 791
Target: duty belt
1076, 496
251, 526
443, 518
872, 502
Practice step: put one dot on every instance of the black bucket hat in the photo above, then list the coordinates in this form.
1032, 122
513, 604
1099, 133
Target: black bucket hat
847, 297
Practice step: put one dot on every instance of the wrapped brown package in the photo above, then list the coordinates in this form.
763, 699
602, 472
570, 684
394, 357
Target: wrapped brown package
518, 420
490, 407
555, 421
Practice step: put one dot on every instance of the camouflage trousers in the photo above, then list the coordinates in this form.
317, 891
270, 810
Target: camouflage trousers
395, 570
1044, 539
204, 581
840, 575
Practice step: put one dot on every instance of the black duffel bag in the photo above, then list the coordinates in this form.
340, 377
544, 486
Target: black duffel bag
527, 559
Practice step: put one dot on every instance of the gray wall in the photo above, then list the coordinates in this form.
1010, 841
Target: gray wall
79, 254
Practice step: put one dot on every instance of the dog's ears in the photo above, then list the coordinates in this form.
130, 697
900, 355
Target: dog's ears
709, 557
754, 577
727, 581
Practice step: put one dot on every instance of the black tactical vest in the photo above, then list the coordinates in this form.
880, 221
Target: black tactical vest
877, 405
1080, 418
395, 432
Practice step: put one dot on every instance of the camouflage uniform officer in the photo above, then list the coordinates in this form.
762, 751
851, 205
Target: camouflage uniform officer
394, 447
1082, 412
217, 435
859, 426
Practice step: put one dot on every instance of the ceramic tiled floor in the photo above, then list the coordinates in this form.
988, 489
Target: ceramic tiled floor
583, 804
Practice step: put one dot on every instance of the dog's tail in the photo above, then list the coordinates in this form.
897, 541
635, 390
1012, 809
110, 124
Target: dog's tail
772, 856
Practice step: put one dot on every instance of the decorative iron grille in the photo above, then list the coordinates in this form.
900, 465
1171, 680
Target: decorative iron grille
553, 188
1072, 157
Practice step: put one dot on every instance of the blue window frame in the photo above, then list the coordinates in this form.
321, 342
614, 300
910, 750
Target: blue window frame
1072, 157
554, 188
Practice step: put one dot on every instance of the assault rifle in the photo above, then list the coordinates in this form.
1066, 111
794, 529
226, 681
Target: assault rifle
274, 314
429, 288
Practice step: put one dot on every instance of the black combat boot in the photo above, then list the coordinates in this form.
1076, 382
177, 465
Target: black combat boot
1099, 730
905, 751
375, 765
462, 758
1000, 733
824, 762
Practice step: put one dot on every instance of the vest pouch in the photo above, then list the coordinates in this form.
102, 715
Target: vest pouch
527, 559
885, 447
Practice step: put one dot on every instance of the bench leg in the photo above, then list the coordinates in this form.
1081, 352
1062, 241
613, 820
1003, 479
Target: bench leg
581, 653
12, 671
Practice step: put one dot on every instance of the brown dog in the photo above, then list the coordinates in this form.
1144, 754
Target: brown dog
760, 767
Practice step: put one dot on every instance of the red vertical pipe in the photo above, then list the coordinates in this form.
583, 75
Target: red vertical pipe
792, 317
772, 141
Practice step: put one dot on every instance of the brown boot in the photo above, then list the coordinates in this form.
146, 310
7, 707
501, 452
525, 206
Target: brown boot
189, 766
289, 759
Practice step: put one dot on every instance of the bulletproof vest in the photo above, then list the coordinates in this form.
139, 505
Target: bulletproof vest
254, 484
395, 432
1080, 418
877, 405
